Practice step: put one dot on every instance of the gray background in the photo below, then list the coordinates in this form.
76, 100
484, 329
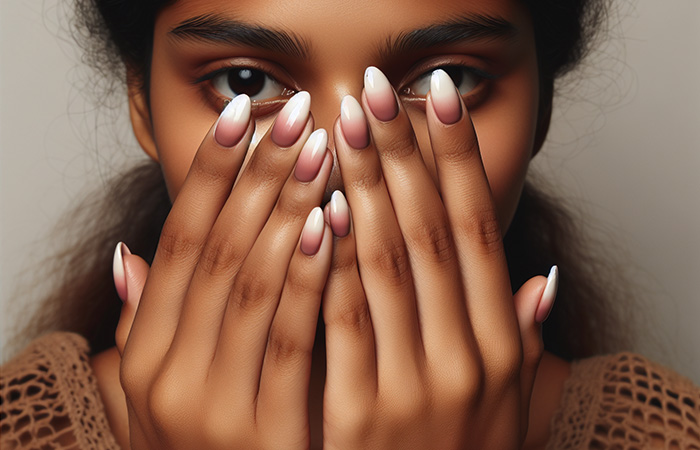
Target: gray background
625, 147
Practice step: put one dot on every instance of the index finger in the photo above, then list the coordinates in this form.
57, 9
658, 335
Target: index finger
203, 194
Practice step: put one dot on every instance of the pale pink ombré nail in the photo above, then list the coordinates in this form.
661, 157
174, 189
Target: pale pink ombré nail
291, 120
311, 157
548, 296
118, 270
339, 214
380, 95
353, 123
233, 121
445, 97
312, 234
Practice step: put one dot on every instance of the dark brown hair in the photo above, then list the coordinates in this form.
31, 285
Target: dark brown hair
116, 34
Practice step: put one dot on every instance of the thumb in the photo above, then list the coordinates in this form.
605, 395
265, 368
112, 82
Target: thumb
130, 273
533, 302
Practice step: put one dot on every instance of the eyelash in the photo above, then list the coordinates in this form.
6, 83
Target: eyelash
473, 97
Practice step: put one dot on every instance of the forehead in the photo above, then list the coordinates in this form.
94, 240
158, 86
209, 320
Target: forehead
334, 24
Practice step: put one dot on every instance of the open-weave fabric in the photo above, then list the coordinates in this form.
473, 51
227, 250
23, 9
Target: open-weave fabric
49, 400
626, 402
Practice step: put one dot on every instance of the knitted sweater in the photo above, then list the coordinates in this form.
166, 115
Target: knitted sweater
49, 400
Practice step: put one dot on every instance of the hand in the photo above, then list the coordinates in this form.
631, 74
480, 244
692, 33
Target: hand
218, 354
425, 346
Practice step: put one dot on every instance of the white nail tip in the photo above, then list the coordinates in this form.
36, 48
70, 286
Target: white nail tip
350, 108
548, 296
314, 223
441, 84
318, 140
550, 290
118, 263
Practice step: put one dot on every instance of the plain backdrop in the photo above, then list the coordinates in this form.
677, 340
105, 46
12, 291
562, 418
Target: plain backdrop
624, 148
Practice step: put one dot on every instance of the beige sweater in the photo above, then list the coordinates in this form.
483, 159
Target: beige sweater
49, 400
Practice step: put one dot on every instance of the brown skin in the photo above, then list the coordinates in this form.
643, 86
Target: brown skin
504, 116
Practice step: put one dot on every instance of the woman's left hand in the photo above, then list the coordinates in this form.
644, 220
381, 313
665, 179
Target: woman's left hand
426, 345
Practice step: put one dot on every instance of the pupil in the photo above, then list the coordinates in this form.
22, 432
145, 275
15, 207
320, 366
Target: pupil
246, 81
456, 73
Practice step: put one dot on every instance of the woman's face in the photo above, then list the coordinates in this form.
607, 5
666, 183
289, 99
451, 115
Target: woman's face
205, 51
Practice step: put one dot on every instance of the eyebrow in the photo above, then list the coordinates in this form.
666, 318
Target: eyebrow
474, 27
216, 28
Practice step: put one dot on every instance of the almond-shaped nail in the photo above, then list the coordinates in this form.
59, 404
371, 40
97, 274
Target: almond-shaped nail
118, 270
312, 234
353, 123
548, 296
291, 120
380, 95
311, 157
339, 214
445, 97
233, 121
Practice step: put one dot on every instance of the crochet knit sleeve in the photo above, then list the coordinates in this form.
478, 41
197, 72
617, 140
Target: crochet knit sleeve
49, 398
626, 402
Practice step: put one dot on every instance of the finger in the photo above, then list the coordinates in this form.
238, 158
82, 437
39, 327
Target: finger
350, 348
422, 220
237, 227
258, 286
130, 281
474, 222
187, 227
284, 382
535, 294
381, 251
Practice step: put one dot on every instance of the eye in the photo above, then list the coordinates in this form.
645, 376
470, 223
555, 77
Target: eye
465, 78
246, 80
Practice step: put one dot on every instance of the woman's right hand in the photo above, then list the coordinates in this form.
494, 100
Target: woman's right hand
219, 353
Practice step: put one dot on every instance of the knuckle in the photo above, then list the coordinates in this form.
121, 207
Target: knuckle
399, 147
344, 264
504, 365
166, 402
132, 376
300, 284
389, 259
458, 150
220, 256
210, 173
464, 383
285, 351
264, 169
432, 240
249, 291
365, 179
484, 229
351, 316
177, 242
290, 207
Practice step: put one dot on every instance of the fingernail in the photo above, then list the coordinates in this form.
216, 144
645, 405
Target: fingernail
118, 270
445, 97
233, 121
327, 213
353, 123
311, 156
291, 120
339, 214
312, 234
548, 296
380, 95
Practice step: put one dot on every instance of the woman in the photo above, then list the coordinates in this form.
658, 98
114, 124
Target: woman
424, 345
